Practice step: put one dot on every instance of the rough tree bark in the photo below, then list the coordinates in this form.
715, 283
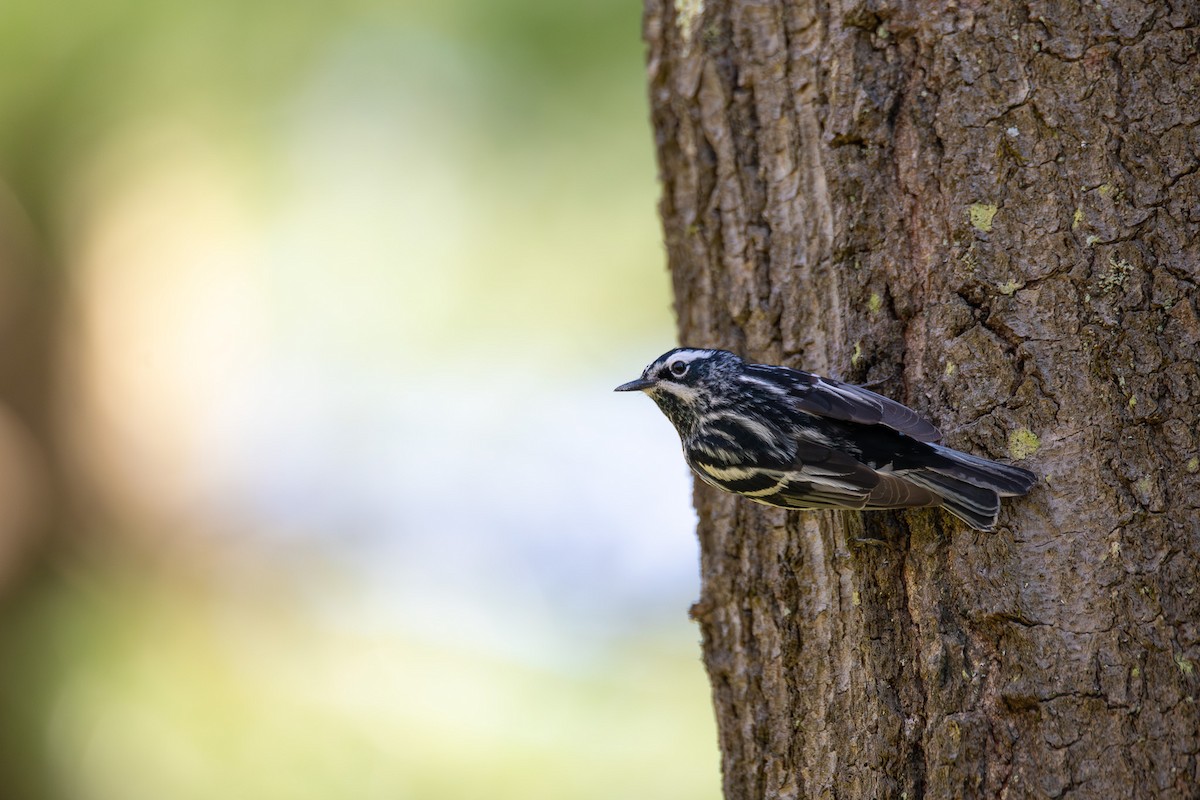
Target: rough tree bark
994, 210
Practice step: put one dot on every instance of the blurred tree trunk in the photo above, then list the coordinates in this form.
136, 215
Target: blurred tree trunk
34, 505
993, 209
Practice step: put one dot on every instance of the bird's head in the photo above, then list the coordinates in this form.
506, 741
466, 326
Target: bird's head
684, 381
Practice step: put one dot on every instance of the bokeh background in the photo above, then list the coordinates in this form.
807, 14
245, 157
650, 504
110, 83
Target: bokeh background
312, 482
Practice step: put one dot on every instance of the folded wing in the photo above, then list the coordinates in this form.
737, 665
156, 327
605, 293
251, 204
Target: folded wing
836, 400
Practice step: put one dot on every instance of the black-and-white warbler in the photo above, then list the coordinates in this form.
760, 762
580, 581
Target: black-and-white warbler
792, 439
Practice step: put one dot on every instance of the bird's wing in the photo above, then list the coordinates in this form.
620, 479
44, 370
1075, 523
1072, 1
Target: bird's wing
829, 398
822, 477
895, 491
817, 477
839, 481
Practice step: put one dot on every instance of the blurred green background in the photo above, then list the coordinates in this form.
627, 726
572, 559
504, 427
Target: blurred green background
312, 483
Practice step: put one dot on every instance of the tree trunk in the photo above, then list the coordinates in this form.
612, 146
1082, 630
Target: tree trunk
993, 210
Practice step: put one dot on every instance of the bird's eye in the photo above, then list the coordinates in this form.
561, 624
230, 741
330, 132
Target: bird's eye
678, 368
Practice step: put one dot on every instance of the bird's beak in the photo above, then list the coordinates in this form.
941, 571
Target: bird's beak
640, 385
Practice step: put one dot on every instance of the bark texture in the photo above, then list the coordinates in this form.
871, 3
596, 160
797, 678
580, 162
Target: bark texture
992, 209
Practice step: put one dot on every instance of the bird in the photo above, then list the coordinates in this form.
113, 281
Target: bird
792, 439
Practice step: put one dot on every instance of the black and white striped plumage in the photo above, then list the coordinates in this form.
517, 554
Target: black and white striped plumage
792, 439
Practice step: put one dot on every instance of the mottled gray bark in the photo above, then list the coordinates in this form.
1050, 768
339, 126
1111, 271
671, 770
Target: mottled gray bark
993, 209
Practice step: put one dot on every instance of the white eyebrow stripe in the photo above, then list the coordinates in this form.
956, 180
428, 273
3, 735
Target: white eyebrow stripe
688, 356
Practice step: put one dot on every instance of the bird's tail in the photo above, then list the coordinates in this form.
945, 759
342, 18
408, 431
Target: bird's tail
976, 506
971, 487
1005, 480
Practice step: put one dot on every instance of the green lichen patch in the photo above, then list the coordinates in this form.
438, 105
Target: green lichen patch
1009, 287
856, 356
1077, 219
951, 368
1193, 465
1185, 666
1023, 443
981, 215
1118, 271
875, 303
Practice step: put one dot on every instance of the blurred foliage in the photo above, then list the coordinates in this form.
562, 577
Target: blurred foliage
170, 691
247, 207
72, 74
